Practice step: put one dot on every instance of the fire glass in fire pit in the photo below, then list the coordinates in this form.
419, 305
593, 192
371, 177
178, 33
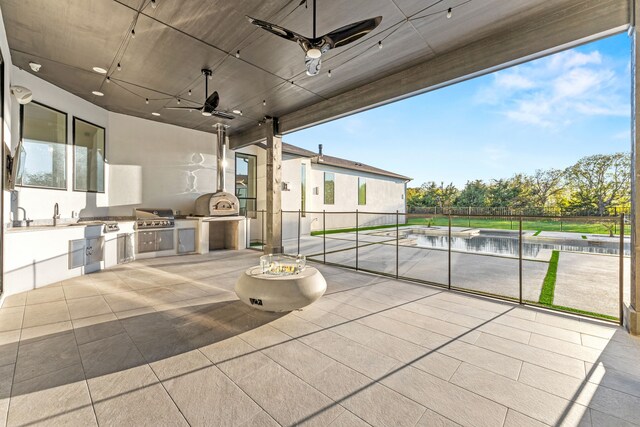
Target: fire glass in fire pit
282, 265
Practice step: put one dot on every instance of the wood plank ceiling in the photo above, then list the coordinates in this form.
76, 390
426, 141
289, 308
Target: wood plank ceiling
177, 38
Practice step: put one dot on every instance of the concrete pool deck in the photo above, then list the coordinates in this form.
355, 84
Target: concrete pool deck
587, 282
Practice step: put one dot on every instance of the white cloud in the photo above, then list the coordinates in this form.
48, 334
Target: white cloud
560, 89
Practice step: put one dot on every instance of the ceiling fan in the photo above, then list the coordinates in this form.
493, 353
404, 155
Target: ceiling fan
210, 103
316, 46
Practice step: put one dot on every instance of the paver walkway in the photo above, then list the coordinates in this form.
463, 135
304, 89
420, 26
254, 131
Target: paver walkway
166, 342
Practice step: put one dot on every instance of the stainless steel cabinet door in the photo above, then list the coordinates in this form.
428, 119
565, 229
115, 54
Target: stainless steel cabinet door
125, 247
76, 253
186, 240
94, 250
164, 240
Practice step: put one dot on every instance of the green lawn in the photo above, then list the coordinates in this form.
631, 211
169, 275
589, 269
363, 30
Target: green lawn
571, 225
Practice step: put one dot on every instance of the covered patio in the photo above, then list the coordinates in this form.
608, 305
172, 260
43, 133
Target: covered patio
160, 342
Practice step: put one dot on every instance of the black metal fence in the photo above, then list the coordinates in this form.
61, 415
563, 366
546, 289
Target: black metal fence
522, 211
509, 257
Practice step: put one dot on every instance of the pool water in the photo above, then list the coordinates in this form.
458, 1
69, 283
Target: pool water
508, 245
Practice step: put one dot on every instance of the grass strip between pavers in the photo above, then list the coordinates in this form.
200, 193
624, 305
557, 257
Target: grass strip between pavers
549, 284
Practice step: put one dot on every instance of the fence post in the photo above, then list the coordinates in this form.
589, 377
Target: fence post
449, 255
520, 258
299, 230
397, 244
469, 215
621, 271
324, 237
262, 230
247, 237
357, 226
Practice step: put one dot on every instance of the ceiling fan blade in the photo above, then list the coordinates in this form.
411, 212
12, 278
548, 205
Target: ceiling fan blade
212, 101
350, 33
313, 65
278, 30
183, 108
222, 114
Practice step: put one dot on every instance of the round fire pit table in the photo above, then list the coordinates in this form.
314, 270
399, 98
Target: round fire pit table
269, 292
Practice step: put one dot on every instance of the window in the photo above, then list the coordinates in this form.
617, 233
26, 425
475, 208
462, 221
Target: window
303, 188
88, 156
362, 191
329, 188
246, 184
42, 161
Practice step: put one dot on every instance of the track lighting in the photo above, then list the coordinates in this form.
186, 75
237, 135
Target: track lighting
133, 33
380, 44
449, 13
329, 73
119, 67
238, 54
146, 100
178, 101
153, 4
264, 102
189, 92
259, 123
108, 79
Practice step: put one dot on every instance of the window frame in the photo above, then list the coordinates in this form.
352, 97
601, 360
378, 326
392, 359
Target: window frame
324, 188
73, 130
235, 182
364, 181
66, 144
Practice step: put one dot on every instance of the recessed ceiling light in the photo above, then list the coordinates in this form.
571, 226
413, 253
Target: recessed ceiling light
237, 112
97, 93
100, 70
155, 114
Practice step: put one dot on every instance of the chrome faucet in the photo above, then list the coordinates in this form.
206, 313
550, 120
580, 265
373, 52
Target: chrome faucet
24, 216
56, 214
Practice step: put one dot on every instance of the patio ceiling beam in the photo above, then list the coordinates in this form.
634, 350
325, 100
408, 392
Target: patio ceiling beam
571, 23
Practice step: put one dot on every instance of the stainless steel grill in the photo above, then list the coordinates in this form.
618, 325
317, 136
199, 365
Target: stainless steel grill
154, 218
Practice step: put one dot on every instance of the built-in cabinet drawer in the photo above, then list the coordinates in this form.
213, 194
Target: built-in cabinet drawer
85, 251
155, 241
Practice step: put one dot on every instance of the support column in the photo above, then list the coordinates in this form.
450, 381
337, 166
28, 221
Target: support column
631, 317
274, 187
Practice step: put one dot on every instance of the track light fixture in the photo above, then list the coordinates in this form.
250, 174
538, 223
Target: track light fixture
238, 54
146, 100
108, 79
329, 73
133, 33
153, 4
264, 102
449, 13
189, 92
380, 44
119, 67
178, 100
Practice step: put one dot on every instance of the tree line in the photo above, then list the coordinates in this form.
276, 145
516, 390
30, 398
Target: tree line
594, 184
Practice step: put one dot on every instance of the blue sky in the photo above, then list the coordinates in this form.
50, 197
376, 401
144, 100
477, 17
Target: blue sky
547, 113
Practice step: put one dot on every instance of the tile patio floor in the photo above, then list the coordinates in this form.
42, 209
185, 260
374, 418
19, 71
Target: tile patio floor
166, 342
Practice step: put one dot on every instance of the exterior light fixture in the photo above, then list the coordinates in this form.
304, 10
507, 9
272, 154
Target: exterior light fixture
264, 102
238, 54
153, 4
97, 93
155, 114
380, 44
189, 92
237, 112
329, 73
35, 66
119, 67
449, 13
133, 33
108, 79
146, 100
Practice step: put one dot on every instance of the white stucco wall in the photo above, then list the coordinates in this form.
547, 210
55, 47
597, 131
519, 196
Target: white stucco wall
385, 195
149, 163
